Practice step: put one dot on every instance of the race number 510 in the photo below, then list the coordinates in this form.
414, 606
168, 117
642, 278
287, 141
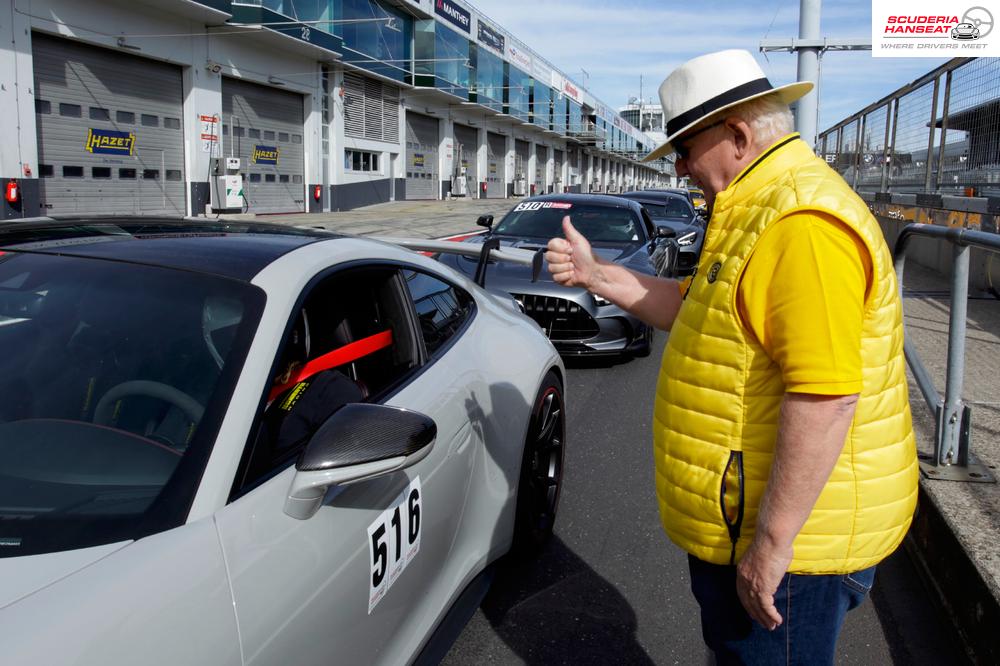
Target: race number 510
393, 541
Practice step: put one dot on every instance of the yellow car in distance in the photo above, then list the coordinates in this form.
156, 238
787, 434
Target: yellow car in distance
698, 200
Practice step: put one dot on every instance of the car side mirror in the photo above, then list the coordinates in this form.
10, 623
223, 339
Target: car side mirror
485, 221
665, 232
358, 442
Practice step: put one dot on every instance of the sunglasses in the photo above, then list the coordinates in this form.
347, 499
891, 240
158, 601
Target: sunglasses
683, 147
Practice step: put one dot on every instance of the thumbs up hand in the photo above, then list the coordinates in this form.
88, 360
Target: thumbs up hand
571, 261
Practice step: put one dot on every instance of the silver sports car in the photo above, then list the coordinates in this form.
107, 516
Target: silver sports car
249, 444
576, 321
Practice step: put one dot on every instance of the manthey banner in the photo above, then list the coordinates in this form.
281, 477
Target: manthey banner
935, 29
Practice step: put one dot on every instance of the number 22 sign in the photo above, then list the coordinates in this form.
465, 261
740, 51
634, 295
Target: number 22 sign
393, 541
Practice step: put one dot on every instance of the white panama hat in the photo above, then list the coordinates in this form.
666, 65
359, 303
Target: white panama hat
711, 83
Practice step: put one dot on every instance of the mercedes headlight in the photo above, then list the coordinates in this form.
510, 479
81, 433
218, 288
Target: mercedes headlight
688, 238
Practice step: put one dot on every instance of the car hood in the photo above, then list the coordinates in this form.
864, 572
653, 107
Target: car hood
21, 576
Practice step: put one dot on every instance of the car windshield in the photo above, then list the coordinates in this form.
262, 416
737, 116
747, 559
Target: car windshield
543, 219
673, 207
113, 382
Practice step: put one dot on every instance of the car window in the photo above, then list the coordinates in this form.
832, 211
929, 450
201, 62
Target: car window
676, 207
441, 308
114, 380
606, 224
350, 340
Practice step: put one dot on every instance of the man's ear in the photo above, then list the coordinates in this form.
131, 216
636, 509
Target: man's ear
742, 136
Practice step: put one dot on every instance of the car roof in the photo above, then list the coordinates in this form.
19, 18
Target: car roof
655, 195
609, 200
233, 249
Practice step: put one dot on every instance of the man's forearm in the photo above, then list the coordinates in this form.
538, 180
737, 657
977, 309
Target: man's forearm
652, 299
811, 434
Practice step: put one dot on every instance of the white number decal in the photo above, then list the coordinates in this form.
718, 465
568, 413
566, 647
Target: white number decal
538, 205
305, 33
393, 541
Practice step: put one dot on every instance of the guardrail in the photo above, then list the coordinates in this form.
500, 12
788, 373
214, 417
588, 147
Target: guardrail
952, 460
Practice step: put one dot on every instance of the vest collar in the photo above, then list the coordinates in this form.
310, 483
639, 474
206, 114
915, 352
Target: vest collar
784, 154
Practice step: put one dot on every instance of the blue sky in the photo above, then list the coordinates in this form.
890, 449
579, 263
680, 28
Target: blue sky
617, 41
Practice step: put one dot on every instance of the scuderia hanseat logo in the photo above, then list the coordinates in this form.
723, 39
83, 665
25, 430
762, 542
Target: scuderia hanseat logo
931, 28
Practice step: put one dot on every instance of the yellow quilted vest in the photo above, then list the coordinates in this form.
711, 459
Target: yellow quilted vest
718, 396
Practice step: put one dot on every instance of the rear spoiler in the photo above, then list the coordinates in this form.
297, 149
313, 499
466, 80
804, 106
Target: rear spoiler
490, 250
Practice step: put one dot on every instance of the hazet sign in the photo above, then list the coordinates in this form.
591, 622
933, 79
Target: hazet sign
265, 155
110, 142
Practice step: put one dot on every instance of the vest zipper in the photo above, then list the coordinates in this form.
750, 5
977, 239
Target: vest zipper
733, 524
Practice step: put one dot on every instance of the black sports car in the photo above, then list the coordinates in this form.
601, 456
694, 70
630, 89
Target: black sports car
577, 322
674, 210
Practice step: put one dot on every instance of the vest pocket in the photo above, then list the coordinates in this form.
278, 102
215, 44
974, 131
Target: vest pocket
731, 499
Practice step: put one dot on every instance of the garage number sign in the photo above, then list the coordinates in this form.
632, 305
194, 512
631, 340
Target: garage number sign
265, 155
393, 541
110, 142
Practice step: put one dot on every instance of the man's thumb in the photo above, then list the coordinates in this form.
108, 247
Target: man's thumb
572, 235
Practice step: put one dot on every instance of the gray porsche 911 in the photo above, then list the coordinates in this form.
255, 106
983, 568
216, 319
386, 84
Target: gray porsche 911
576, 321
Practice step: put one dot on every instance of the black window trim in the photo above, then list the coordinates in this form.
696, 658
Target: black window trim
240, 487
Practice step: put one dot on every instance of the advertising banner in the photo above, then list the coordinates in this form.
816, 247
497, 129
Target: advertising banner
490, 38
934, 29
454, 14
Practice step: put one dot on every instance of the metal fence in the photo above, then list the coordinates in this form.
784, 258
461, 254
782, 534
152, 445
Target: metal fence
940, 133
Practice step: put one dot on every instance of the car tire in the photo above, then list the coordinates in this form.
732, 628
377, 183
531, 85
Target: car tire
643, 347
540, 479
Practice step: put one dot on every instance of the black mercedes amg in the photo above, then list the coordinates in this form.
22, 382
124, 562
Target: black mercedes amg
576, 321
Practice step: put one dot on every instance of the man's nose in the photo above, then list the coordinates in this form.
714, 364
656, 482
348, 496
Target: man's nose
680, 166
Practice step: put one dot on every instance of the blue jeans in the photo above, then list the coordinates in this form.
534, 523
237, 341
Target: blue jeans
812, 609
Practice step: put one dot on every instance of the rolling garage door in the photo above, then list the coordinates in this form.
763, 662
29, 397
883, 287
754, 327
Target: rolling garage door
521, 152
263, 127
466, 151
109, 130
422, 138
557, 178
541, 162
495, 177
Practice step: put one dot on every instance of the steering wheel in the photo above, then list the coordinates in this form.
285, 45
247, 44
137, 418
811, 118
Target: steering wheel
182, 401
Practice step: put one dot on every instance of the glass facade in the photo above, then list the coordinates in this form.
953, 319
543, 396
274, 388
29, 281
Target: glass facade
559, 113
382, 39
541, 105
518, 93
575, 118
442, 58
378, 41
488, 70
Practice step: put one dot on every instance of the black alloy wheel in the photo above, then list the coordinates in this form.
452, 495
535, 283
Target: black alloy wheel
541, 469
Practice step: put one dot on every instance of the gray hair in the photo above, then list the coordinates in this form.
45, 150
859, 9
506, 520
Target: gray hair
769, 118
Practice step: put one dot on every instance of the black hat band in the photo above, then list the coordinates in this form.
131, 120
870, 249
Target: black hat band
736, 94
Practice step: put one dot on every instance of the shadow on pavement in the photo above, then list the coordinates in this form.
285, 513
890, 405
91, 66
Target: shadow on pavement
595, 362
557, 610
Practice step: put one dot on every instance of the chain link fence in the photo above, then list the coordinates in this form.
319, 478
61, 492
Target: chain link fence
940, 133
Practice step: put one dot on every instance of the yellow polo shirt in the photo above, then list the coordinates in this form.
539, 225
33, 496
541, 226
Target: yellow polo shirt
803, 296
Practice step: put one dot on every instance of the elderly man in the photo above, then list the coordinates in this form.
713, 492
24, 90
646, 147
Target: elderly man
785, 457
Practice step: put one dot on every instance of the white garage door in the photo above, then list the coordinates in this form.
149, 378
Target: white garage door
421, 156
263, 127
110, 137
495, 177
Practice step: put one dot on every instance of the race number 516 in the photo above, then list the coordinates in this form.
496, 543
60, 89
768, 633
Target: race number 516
393, 541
